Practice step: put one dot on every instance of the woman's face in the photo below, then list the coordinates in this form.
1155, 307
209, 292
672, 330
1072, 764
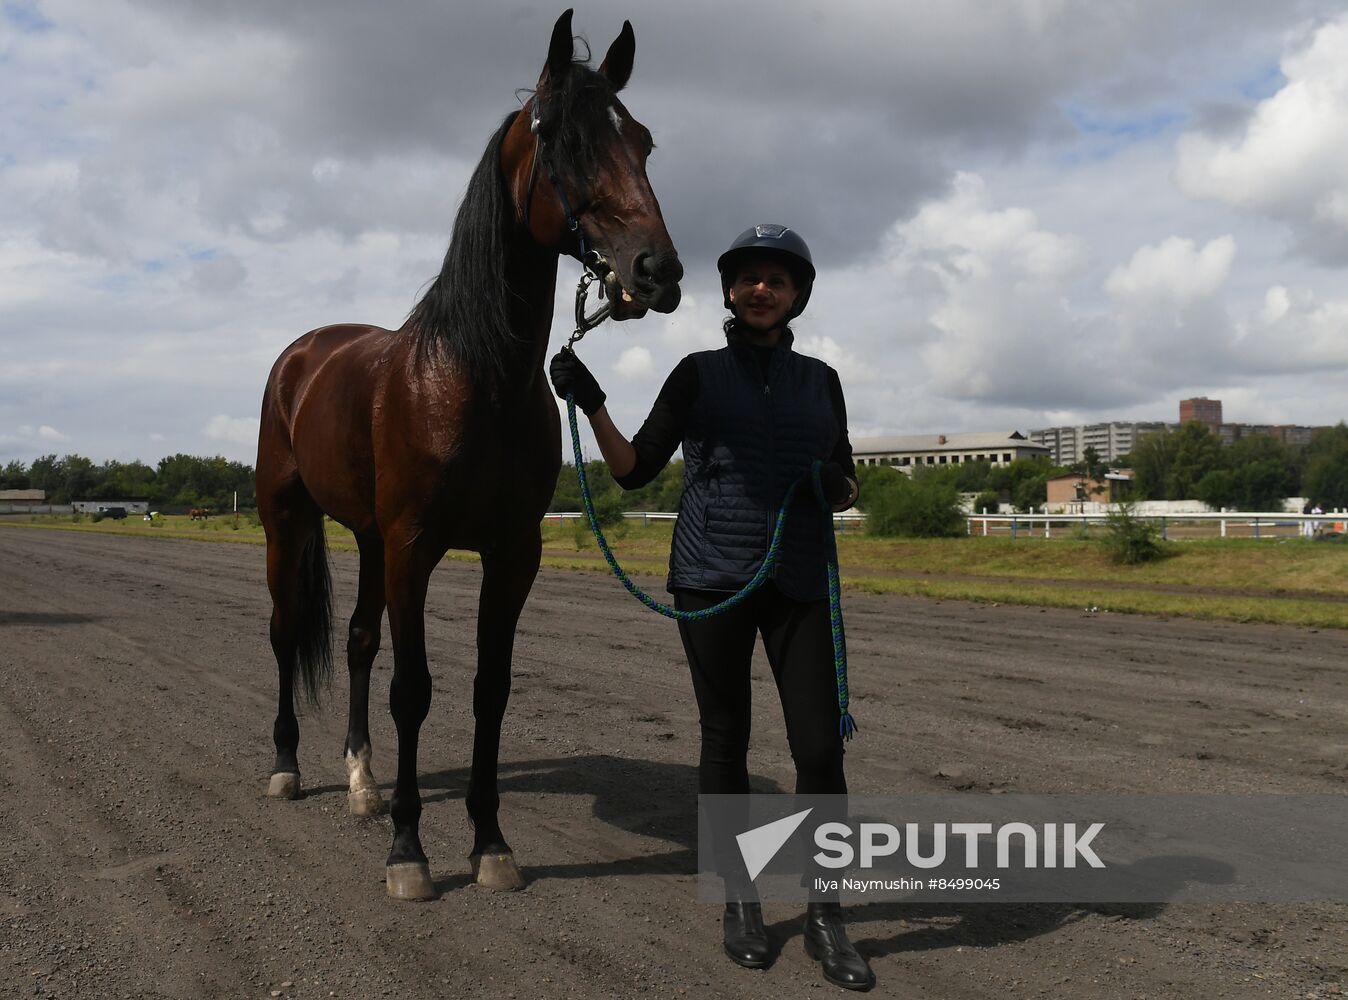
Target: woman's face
762, 293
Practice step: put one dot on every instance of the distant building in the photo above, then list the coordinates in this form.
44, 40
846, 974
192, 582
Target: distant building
1111, 441
1071, 493
907, 453
1292, 435
1202, 409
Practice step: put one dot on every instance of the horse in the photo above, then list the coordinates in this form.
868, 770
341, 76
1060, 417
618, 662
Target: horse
199, 513
445, 434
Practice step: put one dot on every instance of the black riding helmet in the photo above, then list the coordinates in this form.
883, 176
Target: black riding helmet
769, 240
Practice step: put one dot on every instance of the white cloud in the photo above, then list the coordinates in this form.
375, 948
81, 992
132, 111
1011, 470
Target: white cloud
51, 435
850, 368
1174, 271
235, 430
1289, 163
635, 363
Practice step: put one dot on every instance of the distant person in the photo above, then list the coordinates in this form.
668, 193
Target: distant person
752, 418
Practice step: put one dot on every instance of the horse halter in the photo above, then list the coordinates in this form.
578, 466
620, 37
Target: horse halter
596, 267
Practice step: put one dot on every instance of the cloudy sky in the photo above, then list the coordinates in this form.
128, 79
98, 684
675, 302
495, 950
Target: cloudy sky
1025, 213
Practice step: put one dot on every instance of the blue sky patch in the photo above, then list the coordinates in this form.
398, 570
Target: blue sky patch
1264, 84
1123, 128
25, 15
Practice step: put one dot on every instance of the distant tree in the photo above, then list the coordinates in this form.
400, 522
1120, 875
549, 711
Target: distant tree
14, 476
1197, 452
971, 477
989, 501
1217, 489
1092, 466
1151, 459
63, 479
188, 480
1326, 480
123, 480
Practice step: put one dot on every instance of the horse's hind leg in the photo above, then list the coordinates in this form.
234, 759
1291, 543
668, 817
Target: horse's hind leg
285, 555
507, 577
362, 797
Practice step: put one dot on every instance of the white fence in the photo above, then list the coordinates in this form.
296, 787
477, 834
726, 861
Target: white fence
1227, 524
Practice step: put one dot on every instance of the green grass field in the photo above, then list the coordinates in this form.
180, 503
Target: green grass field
1287, 581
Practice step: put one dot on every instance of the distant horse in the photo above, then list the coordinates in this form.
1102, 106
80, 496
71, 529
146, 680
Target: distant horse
444, 434
199, 513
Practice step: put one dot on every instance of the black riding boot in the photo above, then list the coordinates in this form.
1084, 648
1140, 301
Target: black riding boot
746, 942
826, 942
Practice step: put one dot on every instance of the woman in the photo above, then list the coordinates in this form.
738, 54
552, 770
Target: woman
752, 417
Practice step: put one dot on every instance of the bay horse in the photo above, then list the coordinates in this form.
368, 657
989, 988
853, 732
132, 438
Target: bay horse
445, 434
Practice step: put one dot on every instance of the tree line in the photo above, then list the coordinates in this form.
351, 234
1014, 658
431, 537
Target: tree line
177, 481
1256, 473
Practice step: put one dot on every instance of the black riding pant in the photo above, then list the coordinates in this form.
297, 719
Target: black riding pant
799, 645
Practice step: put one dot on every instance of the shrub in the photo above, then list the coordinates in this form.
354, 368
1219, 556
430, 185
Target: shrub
990, 501
1131, 540
923, 507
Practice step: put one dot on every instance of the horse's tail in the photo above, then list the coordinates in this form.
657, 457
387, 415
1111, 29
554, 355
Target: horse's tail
313, 642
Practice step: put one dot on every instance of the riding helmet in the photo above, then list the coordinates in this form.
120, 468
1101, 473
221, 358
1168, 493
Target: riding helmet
771, 240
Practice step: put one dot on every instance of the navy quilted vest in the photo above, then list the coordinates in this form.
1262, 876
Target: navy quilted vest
746, 441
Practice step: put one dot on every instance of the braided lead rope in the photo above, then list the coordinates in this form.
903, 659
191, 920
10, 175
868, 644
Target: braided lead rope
846, 723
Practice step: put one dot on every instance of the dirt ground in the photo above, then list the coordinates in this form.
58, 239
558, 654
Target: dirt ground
141, 858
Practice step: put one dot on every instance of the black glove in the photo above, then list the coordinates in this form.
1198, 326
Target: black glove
837, 488
571, 377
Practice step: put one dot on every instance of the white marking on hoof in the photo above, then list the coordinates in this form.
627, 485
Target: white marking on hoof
497, 872
366, 802
410, 880
284, 785
362, 796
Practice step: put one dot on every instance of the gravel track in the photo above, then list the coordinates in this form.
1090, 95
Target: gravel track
143, 859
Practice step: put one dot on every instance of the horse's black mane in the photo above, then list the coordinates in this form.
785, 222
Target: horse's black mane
465, 314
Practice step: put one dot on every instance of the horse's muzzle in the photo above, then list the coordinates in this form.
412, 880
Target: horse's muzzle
656, 277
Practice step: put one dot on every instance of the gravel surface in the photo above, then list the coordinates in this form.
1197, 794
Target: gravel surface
142, 859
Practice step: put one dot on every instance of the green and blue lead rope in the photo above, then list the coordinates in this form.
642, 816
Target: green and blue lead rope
846, 724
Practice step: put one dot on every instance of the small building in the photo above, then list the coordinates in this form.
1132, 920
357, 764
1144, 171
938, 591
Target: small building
23, 498
1073, 492
907, 453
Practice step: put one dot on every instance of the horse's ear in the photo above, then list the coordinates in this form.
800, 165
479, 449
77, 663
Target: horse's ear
561, 49
617, 65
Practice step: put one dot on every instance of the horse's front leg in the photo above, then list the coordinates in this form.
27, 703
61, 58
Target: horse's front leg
507, 576
407, 573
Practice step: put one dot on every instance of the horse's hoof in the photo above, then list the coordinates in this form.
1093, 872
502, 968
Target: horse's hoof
497, 871
410, 880
366, 802
284, 785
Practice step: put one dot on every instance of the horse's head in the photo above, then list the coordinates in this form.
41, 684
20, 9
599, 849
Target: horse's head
575, 152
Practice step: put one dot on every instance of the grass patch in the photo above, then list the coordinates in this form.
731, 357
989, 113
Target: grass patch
1099, 598
1287, 581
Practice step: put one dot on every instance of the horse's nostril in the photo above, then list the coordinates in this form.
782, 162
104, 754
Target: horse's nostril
658, 269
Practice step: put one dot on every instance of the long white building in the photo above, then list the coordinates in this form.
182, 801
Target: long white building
908, 452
